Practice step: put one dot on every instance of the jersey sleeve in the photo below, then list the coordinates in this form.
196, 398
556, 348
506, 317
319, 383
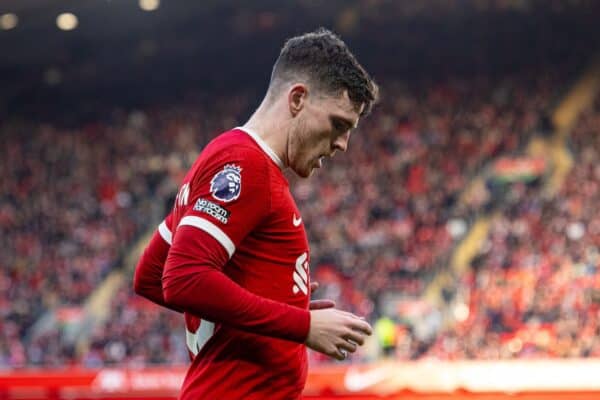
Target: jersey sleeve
165, 229
147, 279
231, 200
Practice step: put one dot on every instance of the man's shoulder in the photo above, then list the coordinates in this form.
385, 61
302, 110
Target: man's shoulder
232, 155
236, 145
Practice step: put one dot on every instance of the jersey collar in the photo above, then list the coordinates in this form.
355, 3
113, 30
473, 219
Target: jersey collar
263, 145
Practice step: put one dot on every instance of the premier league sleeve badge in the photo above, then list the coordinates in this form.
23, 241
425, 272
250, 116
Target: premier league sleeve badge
226, 185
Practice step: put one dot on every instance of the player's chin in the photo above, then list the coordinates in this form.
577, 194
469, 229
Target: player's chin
305, 171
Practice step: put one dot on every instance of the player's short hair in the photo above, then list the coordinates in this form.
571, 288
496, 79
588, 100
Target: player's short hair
325, 62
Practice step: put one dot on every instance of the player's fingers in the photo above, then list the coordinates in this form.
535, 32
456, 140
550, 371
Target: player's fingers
360, 325
321, 304
339, 354
355, 337
314, 286
349, 314
348, 346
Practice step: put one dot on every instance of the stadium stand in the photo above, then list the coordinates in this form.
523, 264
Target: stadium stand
378, 215
382, 219
72, 206
534, 288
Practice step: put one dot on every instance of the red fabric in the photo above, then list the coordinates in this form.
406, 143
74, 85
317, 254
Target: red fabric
148, 272
193, 281
257, 299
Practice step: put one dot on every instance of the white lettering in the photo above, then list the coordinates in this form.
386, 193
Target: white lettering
183, 195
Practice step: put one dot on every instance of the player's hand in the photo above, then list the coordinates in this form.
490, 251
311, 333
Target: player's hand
319, 304
335, 333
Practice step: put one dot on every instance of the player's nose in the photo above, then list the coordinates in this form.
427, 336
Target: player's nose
341, 142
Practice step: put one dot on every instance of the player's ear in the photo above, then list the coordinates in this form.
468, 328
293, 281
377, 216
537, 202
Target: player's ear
297, 97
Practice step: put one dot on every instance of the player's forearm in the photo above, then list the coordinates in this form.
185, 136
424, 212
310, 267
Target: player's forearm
200, 288
147, 279
146, 287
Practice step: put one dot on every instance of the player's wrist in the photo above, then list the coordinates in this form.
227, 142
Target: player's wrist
298, 321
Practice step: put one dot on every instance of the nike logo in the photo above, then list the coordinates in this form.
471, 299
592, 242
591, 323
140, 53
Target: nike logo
296, 221
355, 380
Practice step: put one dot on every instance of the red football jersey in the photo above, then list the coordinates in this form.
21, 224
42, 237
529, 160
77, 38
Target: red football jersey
236, 193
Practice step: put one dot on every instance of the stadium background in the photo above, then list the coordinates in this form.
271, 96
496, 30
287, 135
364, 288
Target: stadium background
462, 221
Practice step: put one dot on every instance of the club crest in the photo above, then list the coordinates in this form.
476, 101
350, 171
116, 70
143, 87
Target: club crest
226, 185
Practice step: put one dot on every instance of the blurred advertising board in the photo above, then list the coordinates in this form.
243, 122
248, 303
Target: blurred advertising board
427, 379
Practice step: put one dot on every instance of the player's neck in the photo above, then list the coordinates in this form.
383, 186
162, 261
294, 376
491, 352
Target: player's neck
272, 131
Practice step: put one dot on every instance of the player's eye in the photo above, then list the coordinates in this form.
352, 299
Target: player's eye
339, 126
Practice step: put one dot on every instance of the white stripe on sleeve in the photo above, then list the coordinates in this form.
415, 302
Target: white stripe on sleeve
165, 232
212, 230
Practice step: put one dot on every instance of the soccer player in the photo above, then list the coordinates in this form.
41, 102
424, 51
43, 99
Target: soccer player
237, 255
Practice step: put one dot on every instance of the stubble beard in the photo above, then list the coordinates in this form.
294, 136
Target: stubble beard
298, 149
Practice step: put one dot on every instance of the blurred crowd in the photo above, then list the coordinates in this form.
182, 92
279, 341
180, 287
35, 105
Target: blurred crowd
381, 219
534, 288
137, 333
382, 209
384, 216
65, 219
73, 201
